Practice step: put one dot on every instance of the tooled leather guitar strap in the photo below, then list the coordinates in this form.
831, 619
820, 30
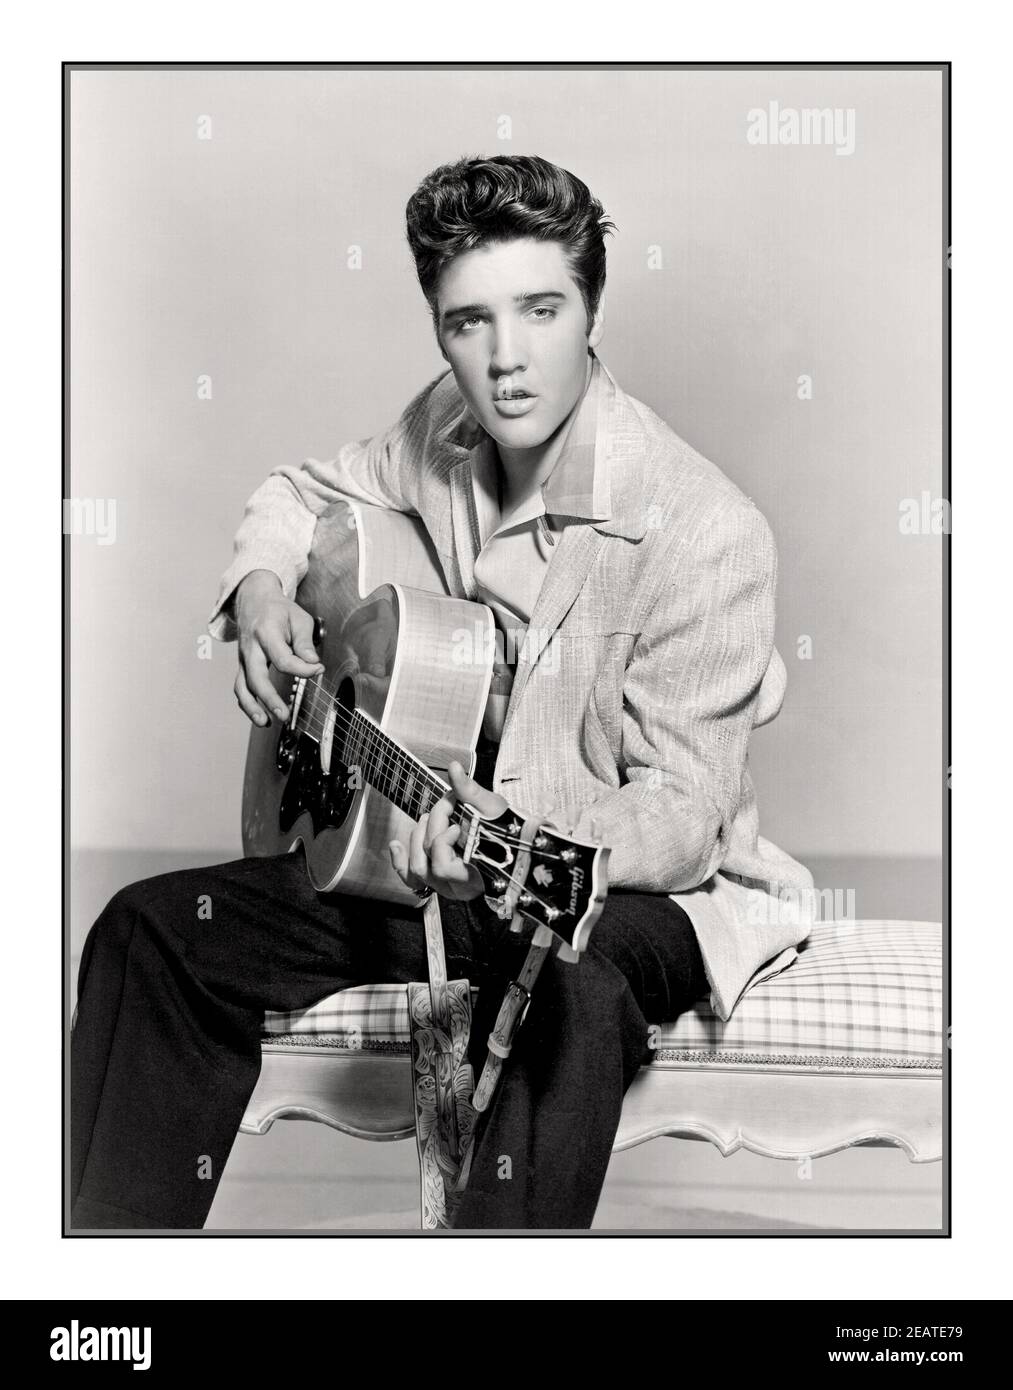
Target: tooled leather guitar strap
439, 1017
516, 998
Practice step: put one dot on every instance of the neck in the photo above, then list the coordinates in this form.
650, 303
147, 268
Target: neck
524, 470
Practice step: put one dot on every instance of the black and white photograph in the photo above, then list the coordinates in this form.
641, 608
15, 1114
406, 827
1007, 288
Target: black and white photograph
506, 535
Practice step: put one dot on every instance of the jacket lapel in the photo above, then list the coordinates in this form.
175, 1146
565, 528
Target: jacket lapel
574, 555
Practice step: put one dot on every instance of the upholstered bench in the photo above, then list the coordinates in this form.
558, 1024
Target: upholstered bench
843, 1048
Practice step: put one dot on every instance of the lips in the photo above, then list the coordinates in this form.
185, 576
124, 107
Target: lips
514, 405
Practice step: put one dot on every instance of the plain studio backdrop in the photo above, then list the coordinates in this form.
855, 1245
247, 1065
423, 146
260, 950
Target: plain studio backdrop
779, 305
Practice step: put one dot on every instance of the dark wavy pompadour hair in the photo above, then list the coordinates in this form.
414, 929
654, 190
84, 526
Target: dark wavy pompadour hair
461, 206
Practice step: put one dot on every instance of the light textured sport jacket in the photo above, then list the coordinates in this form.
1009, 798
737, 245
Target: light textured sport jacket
650, 654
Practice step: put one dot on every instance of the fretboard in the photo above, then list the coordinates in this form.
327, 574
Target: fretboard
382, 763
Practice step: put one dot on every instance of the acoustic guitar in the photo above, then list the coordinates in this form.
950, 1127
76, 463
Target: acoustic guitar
365, 750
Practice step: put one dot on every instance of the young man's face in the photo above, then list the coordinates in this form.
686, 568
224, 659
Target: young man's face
511, 309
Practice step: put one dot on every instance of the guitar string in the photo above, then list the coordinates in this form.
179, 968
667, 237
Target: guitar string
382, 743
510, 876
386, 749
389, 784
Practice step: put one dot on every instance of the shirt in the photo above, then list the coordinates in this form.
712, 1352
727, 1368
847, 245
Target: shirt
516, 550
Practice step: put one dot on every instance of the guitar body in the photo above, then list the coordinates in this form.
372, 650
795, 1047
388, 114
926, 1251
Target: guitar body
397, 649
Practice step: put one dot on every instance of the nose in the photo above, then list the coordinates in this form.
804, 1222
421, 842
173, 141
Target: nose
509, 351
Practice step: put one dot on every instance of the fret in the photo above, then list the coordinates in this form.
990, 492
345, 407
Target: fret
353, 757
384, 765
400, 772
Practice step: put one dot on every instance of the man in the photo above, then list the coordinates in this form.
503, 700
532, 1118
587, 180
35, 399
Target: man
633, 585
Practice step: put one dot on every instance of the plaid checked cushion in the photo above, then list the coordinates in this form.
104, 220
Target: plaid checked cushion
372, 1018
861, 995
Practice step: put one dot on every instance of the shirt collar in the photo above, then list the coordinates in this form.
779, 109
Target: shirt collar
579, 484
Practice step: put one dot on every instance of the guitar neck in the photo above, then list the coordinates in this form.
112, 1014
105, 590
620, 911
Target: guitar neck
530, 867
384, 765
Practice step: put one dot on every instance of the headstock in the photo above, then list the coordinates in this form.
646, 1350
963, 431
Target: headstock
534, 869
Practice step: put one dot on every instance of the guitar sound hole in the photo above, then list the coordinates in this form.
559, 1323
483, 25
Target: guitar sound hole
325, 796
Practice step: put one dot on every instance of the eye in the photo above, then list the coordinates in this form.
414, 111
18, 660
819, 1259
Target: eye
546, 310
462, 324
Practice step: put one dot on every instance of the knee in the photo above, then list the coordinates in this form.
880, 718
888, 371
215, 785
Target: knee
587, 1010
141, 904
621, 957
108, 941
595, 988
129, 902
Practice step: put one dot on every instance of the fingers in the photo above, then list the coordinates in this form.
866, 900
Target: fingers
438, 819
430, 861
446, 864
487, 802
412, 864
418, 860
274, 639
258, 682
399, 858
301, 633
246, 701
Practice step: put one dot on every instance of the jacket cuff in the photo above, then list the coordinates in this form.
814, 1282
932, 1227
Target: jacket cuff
221, 625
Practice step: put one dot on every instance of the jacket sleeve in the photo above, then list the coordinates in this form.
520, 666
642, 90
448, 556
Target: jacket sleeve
690, 700
276, 532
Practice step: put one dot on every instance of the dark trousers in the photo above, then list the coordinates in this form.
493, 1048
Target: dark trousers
165, 1049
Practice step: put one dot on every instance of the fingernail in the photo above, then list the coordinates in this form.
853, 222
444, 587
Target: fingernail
279, 711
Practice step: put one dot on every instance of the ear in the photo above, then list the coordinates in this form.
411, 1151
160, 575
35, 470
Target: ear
598, 324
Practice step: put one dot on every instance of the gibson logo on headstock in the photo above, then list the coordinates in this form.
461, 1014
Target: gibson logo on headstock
576, 884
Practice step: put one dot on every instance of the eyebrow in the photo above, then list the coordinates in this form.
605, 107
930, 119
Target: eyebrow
465, 310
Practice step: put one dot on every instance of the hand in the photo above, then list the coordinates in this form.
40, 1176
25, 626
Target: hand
430, 860
272, 631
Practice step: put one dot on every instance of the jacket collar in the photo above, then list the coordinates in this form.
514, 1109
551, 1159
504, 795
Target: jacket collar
581, 482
